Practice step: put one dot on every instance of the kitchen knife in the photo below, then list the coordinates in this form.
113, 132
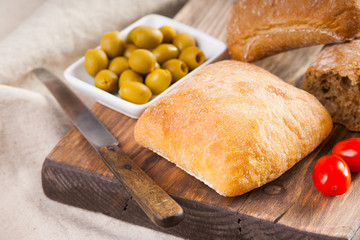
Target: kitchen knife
153, 200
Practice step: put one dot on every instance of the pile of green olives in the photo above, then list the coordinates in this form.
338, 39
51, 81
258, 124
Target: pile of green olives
143, 64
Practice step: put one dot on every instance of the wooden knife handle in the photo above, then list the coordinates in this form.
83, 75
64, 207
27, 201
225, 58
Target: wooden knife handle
153, 200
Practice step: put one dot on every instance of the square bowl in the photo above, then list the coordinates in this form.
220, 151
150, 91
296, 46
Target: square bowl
77, 76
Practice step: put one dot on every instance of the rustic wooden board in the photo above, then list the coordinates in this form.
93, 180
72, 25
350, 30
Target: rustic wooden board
287, 208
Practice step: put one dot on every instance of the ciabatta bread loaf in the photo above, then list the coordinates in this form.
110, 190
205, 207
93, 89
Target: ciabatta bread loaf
234, 126
260, 28
334, 78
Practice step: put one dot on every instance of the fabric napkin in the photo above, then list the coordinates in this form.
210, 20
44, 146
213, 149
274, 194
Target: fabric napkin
53, 35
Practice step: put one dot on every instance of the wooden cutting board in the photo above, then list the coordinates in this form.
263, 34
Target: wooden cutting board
287, 208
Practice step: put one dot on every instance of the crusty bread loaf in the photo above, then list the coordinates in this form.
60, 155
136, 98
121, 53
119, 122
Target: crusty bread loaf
334, 78
260, 28
234, 126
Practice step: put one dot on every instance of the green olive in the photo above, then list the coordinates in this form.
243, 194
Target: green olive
184, 40
177, 68
129, 76
129, 36
146, 37
135, 92
192, 56
118, 65
168, 33
106, 80
158, 80
113, 44
95, 60
129, 49
165, 52
142, 61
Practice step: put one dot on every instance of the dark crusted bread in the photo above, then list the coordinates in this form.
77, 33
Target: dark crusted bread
260, 28
334, 78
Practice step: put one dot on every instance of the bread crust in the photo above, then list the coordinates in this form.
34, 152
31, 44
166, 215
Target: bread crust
234, 126
260, 28
334, 78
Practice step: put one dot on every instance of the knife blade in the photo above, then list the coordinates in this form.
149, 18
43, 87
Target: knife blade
152, 199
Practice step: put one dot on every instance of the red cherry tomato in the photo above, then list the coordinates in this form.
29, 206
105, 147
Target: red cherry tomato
349, 150
331, 175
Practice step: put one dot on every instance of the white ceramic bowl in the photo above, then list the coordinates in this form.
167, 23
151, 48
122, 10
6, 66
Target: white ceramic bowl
77, 76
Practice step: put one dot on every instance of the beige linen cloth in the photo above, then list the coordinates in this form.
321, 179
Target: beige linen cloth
51, 34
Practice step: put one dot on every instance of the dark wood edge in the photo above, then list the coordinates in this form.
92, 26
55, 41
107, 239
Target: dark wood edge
76, 187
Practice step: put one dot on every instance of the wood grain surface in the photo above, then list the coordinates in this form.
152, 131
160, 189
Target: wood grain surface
287, 208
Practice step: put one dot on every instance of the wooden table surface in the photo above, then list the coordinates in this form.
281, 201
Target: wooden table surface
287, 208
